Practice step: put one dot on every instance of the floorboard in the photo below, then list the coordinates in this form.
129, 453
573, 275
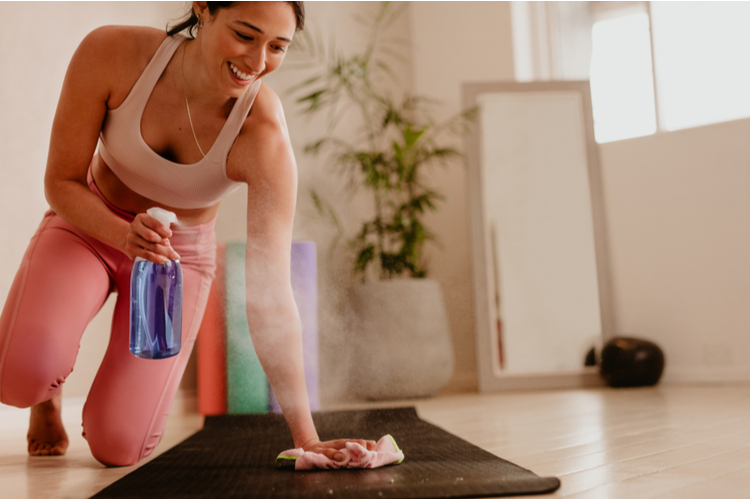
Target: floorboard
663, 442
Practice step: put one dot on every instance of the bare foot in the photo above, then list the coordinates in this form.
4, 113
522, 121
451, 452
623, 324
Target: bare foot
46, 432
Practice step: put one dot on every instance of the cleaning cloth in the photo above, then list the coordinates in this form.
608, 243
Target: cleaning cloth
356, 456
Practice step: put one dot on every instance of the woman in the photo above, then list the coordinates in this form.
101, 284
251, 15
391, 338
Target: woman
182, 122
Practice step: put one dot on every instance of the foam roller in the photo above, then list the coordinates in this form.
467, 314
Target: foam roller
247, 386
304, 276
211, 359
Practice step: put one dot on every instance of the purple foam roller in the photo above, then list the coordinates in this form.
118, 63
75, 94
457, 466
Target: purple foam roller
305, 288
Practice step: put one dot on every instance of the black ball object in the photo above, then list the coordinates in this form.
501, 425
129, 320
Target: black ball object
631, 362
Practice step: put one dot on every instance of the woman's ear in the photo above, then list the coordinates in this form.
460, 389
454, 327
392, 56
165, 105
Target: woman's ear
200, 9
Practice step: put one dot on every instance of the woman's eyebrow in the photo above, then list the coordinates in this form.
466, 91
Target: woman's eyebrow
255, 28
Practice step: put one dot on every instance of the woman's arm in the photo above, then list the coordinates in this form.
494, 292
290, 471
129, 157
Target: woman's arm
105, 55
267, 164
263, 158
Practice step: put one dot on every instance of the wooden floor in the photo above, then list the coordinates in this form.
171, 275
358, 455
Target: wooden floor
664, 442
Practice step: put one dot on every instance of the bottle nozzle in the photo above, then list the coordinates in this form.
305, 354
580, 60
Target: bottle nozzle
164, 216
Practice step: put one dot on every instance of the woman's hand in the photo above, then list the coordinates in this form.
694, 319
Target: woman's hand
148, 239
332, 449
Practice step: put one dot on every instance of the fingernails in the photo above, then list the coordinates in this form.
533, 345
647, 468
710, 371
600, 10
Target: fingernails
338, 457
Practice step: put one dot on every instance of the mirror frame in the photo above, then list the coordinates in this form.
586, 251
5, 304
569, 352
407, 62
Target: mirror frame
488, 379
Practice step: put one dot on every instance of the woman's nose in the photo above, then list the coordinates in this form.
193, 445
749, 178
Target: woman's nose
256, 60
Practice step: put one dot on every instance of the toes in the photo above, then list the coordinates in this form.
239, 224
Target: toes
58, 450
38, 452
42, 449
33, 447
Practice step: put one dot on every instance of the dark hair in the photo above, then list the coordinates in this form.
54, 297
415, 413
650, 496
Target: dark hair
190, 23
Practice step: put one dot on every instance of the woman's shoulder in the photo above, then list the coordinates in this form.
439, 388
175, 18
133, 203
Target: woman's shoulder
264, 136
267, 111
118, 55
265, 120
122, 44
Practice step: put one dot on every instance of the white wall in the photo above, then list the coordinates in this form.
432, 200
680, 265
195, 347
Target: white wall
678, 212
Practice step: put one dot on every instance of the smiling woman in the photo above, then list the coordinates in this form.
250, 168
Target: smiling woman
179, 122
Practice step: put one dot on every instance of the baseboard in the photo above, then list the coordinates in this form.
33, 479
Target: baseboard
185, 402
460, 383
706, 375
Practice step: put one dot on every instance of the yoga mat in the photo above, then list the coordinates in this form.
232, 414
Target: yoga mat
211, 358
247, 386
234, 457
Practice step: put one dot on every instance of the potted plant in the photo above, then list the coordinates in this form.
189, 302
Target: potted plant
402, 343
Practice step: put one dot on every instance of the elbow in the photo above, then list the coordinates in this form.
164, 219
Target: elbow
272, 316
53, 191
50, 191
272, 309
56, 189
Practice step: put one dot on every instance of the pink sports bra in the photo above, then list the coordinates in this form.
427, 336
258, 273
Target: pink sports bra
140, 168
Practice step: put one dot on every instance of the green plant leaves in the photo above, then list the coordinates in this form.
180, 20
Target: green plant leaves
388, 156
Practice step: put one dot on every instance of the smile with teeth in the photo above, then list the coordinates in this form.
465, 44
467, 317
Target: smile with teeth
239, 74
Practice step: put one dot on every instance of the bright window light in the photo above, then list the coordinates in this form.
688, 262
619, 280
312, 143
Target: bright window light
622, 83
702, 56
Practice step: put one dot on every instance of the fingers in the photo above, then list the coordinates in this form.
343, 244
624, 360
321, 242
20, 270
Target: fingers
362, 442
340, 444
331, 453
150, 229
148, 239
155, 252
333, 449
154, 225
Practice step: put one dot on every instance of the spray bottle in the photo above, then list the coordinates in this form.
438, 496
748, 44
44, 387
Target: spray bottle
156, 303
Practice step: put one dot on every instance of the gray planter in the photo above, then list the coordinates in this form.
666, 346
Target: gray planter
401, 340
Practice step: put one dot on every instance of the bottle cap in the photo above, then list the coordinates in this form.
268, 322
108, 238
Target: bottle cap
164, 216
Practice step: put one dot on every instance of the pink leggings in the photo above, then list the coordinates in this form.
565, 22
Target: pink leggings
64, 279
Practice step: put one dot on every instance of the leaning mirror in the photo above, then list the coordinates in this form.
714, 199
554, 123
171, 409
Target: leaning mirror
541, 287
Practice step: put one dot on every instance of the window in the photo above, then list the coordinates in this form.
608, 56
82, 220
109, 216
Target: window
702, 60
622, 81
653, 66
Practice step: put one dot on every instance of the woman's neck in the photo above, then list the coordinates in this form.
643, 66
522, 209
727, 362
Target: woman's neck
200, 89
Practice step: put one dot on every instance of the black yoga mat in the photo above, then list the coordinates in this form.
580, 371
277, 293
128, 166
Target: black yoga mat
233, 456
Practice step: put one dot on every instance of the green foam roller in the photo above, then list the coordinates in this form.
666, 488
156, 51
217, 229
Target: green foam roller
247, 386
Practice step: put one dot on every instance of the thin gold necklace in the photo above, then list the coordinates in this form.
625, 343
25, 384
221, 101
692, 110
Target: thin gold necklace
184, 90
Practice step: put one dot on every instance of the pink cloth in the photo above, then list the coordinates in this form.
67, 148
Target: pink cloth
62, 282
356, 456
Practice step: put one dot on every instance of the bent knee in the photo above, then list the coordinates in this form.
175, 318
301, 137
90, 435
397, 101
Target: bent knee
114, 450
114, 446
26, 385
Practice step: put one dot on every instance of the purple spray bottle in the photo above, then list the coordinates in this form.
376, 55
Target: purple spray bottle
156, 303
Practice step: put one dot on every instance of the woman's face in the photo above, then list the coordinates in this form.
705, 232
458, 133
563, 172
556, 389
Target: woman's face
244, 42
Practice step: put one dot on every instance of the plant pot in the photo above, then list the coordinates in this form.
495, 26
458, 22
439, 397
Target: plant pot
401, 340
